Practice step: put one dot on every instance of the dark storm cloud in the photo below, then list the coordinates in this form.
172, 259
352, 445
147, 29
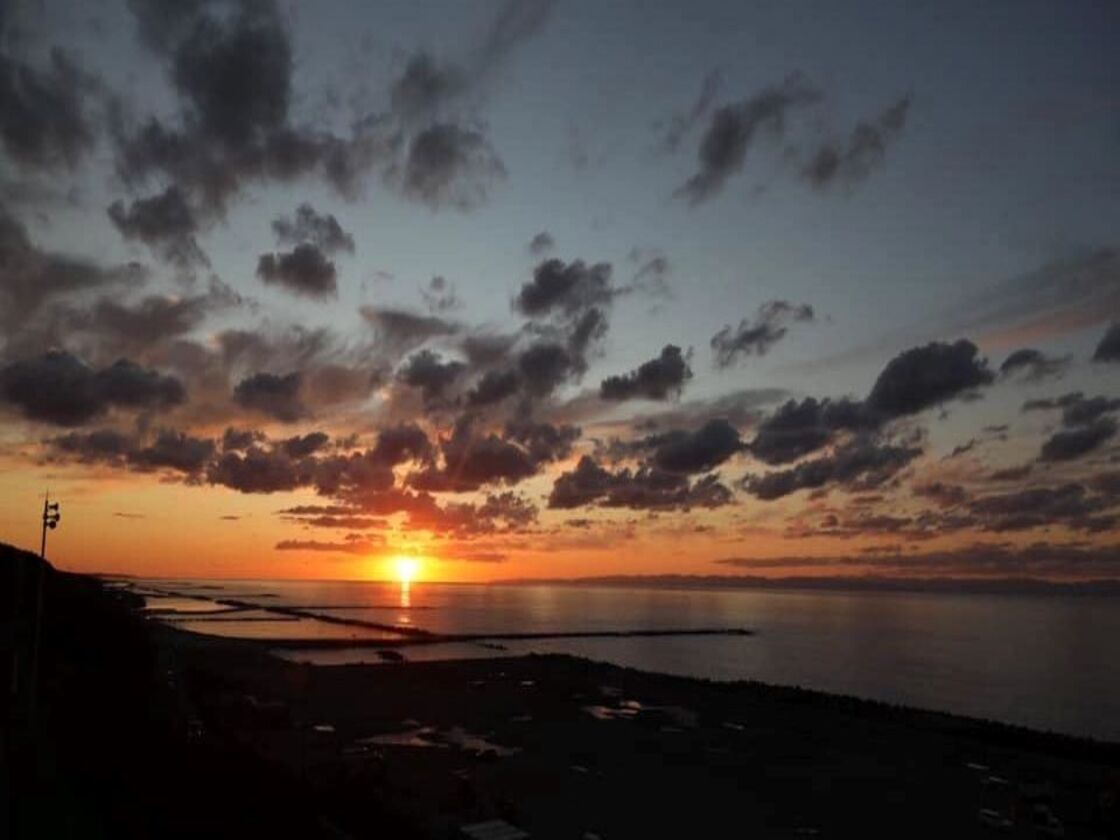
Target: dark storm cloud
1033, 365
862, 463
657, 379
799, 428
305, 270
233, 75
643, 489
545, 366
914, 380
565, 288
240, 439
941, 493
1050, 403
681, 124
273, 395
1011, 473
755, 337
428, 372
447, 165
259, 470
44, 117
399, 330
926, 376
544, 442
1077, 409
100, 446
865, 150
356, 472
1108, 350
493, 387
1088, 410
263, 468
169, 449
165, 223
425, 88
319, 229
589, 328
174, 450
1074, 443
568, 304
484, 349
236, 76
499, 513
541, 244
31, 278
732, 130
473, 459
698, 451
300, 446
1039, 507
59, 388
1000, 559
401, 443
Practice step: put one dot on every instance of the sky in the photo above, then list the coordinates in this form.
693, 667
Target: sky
535, 289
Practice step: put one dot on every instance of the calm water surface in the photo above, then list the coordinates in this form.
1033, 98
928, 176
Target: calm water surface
1048, 662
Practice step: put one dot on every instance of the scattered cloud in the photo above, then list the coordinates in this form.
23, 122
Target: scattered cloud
732, 130
755, 337
60, 389
305, 270
307, 226
849, 162
273, 395
657, 379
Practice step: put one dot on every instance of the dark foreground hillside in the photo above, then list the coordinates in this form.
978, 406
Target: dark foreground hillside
105, 752
142, 730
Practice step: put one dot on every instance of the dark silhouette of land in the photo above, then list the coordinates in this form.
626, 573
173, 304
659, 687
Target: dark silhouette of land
850, 583
144, 730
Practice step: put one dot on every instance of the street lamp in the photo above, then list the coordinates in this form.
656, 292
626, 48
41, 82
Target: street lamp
51, 516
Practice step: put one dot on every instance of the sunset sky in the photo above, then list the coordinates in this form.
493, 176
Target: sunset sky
557, 289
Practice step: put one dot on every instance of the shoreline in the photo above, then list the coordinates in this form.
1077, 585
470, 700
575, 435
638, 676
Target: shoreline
545, 725
914, 715
1027, 586
556, 745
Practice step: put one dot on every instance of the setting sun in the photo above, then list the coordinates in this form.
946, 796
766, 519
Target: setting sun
406, 568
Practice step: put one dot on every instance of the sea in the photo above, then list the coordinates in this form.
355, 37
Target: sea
1045, 661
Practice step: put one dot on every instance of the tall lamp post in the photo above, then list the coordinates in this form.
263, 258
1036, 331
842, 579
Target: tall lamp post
51, 517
